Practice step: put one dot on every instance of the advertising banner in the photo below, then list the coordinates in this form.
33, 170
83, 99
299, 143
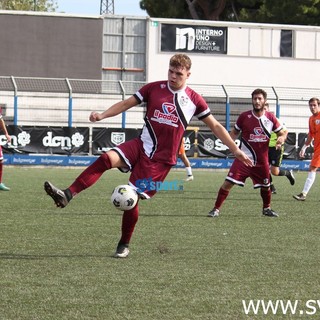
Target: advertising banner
290, 151
68, 141
189, 143
103, 139
302, 137
211, 146
192, 38
46, 140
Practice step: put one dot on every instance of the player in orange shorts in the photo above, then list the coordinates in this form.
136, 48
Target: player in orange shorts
314, 134
185, 160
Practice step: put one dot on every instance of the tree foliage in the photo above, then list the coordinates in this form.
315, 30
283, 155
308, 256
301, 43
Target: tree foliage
303, 12
29, 5
166, 8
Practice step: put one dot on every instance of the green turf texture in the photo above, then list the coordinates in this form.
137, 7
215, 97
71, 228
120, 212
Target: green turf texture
57, 263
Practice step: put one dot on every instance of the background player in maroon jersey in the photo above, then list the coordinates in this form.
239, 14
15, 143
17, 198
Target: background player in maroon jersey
256, 127
3, 128
170, 105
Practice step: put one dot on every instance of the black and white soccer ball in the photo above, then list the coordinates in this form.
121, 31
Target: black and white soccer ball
124, 197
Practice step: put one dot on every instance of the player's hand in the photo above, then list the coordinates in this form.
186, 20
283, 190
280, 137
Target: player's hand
240, 155
302, 151
8, 138
94, 116
278, 145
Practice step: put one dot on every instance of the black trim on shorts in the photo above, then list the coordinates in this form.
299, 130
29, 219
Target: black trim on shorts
124, 170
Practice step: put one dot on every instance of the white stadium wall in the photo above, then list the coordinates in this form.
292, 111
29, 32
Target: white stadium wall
240, 57
252, 58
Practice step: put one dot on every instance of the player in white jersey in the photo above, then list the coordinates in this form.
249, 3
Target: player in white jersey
256, 127
170, 105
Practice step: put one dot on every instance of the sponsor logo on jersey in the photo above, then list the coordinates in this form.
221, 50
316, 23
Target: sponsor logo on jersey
167, 116
258, 135
168, 108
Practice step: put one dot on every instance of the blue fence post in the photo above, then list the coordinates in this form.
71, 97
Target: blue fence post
123, 124
70, 112
227, 108
69, 104
15, 102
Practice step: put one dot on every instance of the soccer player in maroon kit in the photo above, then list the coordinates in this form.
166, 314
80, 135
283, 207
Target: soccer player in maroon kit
256, 127
3, 128
170, 105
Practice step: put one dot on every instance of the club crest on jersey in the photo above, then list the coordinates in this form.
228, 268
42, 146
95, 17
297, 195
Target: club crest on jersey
258, 135
266, 122
167, 116
183, 101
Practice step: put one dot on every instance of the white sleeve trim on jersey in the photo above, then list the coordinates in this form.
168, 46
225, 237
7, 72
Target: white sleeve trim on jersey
203, 113
278, 129
236, 127
139, 96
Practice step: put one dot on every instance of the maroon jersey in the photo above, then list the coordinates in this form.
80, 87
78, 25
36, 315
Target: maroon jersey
167, 116
255, 134
1, 153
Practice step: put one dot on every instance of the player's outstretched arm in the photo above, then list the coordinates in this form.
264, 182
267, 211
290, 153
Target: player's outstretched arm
219, 131
114, 110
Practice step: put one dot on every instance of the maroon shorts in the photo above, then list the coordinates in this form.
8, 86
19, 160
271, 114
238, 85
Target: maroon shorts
142, 168
1, 153
259, 174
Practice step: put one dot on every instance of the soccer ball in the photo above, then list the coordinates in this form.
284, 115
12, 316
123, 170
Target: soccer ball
124, 197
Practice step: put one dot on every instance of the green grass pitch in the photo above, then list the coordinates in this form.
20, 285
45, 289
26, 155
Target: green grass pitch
58, 264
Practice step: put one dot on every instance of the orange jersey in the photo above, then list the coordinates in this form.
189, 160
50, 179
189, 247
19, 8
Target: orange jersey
314, 132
